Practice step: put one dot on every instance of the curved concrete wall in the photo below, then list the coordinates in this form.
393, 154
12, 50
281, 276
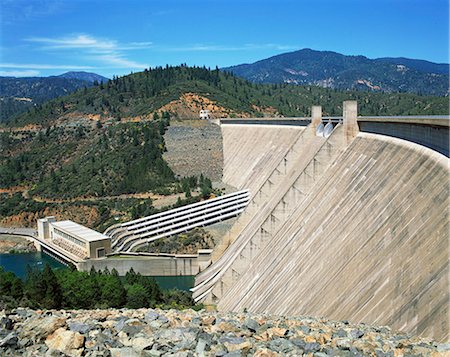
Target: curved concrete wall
370, 244
431, 134
431, 131
366, 240
251, 151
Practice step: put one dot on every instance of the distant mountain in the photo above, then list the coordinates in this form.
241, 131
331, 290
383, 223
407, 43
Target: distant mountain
419, 65
334, 70
84, 76
19, 94
184, 91
39, 89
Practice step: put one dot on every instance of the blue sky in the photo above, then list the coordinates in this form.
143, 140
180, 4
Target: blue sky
47, 37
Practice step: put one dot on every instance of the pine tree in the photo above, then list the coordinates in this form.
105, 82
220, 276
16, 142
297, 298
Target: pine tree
34, 286
52, 298
136, 296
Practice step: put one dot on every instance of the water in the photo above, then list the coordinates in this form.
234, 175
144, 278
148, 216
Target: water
179, 282
17, 263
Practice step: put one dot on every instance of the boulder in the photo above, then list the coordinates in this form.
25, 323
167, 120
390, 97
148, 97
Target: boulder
9, 341
151, 315
38, 328
79, 327
68, 342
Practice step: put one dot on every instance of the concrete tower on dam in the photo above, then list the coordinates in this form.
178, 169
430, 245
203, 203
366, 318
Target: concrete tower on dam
342, 222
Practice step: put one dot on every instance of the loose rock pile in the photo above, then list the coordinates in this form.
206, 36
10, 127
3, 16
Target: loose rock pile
194, 147
149, 332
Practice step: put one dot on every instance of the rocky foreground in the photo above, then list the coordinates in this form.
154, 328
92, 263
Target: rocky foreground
148, 332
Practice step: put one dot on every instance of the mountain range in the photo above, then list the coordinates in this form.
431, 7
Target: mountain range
304, 67
183, 91
337, 71
19, 94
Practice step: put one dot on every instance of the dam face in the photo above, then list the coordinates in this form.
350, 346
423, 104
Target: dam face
352, 226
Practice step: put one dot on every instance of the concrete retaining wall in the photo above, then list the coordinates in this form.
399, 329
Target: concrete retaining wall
155, 266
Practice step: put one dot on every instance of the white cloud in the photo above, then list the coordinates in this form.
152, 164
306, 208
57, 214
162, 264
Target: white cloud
25, 73
79, 41
43, 66
108, 52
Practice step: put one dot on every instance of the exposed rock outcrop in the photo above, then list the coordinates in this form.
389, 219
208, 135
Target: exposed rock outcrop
15, 244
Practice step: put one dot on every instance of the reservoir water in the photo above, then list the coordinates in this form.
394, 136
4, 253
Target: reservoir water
17, 263
179, 282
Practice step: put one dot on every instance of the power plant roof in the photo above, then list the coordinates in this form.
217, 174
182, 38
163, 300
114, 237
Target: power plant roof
82, 232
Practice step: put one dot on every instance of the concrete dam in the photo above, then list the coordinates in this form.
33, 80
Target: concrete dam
347, 220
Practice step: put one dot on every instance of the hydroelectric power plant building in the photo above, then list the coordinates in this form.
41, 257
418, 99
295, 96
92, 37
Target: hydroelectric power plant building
73, 239
72, 243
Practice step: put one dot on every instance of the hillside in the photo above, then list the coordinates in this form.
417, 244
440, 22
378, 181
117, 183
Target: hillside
334, 70
81, 161
19, 94
419, 65
93, 174
184, 91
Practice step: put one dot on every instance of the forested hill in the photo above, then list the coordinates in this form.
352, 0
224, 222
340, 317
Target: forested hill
183, 91
19, 94
338, 71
